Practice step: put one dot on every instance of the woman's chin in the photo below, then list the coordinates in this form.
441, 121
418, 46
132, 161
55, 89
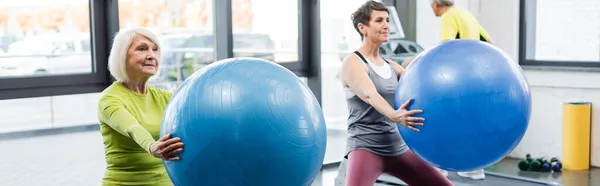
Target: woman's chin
149, 73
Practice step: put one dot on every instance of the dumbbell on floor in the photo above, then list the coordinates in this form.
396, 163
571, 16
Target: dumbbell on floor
539, 164
556, 165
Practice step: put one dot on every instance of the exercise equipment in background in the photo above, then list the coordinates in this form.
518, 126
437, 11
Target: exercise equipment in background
245, 121
556, 165
576, 135
540, 164
475, 100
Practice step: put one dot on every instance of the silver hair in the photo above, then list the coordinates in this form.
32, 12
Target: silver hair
444, 2
117, 61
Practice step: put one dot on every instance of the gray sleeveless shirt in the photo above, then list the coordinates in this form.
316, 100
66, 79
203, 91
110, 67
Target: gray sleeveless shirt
367, 128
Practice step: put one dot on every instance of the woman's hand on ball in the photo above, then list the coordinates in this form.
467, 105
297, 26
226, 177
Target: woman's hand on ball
166, 148
405, 118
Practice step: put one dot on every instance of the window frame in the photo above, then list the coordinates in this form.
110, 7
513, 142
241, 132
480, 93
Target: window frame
102, 26
222, 29
309, 42
527, 31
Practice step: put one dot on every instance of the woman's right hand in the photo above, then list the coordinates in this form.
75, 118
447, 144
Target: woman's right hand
405, 118
166, 148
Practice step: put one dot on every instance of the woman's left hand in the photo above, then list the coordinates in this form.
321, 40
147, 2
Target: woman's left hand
166, 148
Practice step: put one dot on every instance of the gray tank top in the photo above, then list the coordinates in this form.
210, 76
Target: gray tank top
367, 128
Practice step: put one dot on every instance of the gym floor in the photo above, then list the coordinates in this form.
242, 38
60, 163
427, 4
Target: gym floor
77, 159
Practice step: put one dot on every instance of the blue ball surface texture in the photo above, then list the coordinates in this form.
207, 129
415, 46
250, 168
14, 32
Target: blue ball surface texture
245, 121
475, 100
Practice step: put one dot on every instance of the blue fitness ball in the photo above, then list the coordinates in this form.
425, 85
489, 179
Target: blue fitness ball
475, 100
245, 121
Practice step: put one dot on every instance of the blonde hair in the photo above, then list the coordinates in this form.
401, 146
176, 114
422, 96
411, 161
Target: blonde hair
117, 60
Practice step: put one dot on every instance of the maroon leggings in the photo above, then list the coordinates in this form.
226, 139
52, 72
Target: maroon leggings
365, 167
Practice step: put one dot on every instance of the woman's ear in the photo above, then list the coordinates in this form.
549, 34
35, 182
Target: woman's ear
362, 28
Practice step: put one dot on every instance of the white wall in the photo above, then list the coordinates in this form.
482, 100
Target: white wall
428, 32
428, 29
550, 89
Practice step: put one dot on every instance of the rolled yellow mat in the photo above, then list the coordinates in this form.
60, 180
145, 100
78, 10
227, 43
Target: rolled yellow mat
576, 135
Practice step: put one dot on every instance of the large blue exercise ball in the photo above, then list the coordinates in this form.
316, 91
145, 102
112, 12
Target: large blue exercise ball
245, 121
475, 100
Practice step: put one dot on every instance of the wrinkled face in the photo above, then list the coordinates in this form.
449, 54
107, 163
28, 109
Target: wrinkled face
142, 58
378, 29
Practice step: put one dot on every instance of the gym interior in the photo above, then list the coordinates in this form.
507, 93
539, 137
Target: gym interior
53, 66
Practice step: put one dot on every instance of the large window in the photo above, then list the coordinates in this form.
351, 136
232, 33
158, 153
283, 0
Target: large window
46, 51
560, 33
62, 47
44, 38
266, 29
53, 47
338, 40
53, 55
185, 28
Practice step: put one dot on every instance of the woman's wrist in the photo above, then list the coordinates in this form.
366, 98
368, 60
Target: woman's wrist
152, 149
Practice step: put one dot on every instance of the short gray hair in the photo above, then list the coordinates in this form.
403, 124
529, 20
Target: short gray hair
444, 2
117, 60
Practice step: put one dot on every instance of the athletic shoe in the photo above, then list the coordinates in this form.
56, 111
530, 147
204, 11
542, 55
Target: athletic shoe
476, 175
444, 172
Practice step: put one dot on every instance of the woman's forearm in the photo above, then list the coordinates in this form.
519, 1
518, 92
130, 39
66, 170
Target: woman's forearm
379, 103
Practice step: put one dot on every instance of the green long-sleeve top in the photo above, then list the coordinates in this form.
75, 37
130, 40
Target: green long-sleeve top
130, 123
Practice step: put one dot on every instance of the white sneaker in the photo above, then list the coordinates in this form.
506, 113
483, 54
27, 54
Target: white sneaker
476, 175
444, 172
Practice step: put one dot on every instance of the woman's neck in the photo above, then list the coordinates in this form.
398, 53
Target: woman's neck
138, 86
369, 49
444, 9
